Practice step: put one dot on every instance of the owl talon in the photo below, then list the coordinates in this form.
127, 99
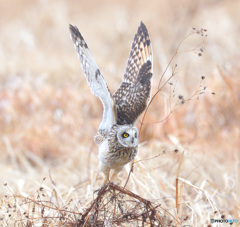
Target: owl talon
97, 190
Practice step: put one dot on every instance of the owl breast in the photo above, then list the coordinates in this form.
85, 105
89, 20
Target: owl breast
120, 157
114, 157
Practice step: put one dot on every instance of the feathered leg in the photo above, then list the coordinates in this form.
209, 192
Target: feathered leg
115, 174
105, 170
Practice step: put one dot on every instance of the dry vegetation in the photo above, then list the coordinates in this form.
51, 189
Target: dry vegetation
188, 165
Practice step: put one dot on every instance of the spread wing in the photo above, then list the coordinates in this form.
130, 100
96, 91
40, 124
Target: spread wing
95, 79
132, 97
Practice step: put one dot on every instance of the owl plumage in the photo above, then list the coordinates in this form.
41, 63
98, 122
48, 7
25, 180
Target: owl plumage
117, 133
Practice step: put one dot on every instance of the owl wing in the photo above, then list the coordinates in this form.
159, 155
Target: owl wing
132, 97
95, 79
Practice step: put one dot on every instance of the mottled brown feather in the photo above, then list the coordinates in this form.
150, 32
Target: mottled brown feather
132, 97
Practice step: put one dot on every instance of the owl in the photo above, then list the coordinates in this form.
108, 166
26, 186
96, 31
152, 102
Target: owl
117, 135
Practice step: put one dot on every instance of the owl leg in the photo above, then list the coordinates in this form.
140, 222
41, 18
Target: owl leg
115, 173
105, 170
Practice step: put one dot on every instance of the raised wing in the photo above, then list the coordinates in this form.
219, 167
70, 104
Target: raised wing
132, 97
95, 79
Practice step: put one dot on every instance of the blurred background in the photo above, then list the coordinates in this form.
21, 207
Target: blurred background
48, 116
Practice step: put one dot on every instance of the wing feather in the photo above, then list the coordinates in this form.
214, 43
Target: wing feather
132, 97
95, 79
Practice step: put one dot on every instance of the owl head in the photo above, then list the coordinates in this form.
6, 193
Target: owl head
127, 136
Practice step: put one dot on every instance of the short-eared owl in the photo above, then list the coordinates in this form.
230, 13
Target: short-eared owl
117, 136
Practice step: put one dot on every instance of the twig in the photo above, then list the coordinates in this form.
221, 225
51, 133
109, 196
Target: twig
177, 178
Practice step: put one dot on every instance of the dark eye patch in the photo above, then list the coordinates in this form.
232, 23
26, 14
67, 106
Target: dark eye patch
125, 135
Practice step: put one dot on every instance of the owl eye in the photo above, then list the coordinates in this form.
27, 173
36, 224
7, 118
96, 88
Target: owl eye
125, 135
135, 135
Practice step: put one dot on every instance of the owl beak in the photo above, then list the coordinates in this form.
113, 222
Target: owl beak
132, 140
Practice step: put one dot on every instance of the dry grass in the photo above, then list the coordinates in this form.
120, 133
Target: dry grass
188, 165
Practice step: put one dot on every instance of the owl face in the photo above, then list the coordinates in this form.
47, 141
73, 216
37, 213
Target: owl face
128, 136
